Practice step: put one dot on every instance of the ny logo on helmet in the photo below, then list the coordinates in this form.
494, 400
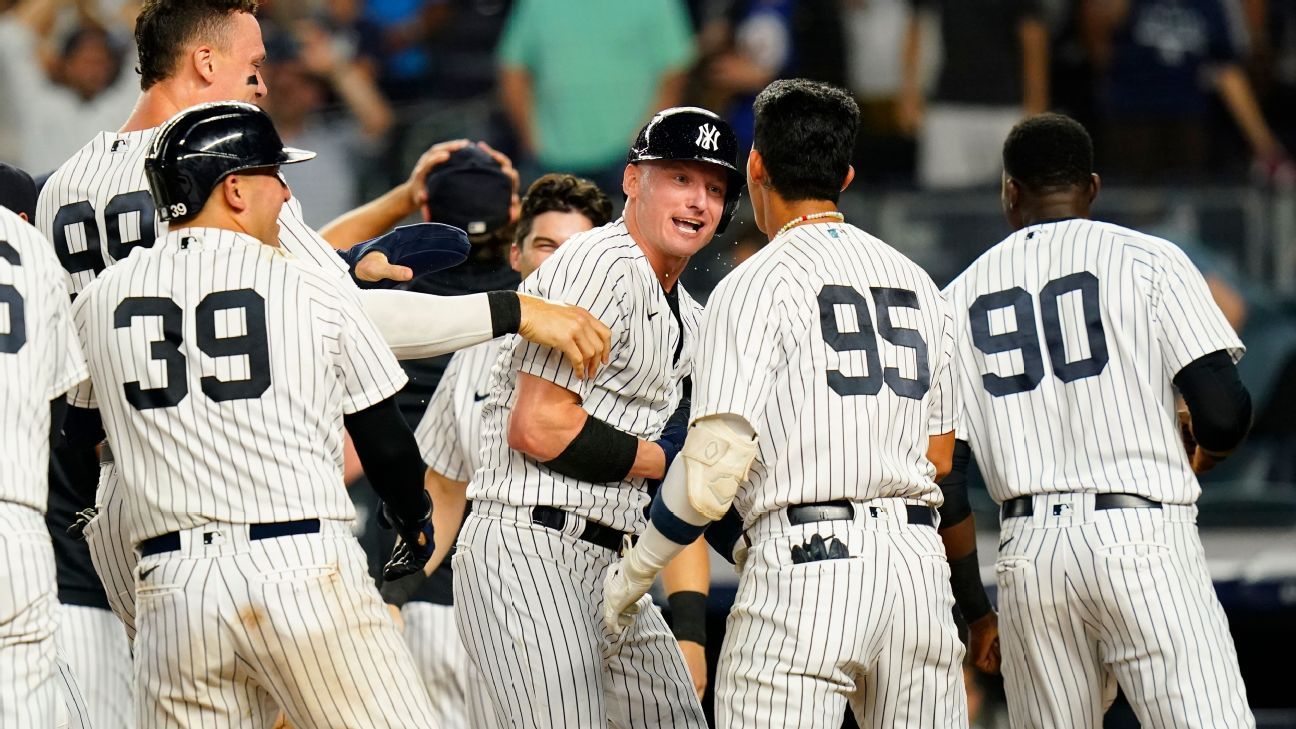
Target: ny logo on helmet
708, 137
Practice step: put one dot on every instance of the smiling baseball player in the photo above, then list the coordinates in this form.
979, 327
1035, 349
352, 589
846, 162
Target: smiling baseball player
564, 462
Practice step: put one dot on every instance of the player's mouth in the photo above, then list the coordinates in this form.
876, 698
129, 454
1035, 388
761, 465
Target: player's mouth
687, 226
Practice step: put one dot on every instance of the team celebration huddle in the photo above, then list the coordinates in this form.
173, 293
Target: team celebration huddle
192, 359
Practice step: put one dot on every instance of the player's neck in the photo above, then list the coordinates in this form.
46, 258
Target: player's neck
1045, 210
162, 101
779, 213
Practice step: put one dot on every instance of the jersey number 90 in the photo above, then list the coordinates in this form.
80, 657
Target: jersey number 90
253, 345
866, 340
1025, 338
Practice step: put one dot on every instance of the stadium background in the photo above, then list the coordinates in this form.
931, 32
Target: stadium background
371, 83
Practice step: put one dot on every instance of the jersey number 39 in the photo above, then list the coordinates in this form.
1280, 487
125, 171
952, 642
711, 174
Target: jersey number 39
252, 344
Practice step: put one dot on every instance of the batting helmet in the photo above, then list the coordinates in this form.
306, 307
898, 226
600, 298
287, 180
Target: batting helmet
692, 133
198, 147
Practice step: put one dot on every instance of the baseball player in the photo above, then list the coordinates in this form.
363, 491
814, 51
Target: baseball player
1070, 335
823, 411
96, 208
561, 484
556, 207
40, 360
224, 371
18, 195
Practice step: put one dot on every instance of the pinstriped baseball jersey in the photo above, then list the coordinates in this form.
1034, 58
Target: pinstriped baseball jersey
836, 348
449, 435
223, 370
1069, 334
605, 272
40, 358
96, 209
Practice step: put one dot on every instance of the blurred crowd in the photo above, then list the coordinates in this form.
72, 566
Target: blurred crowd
1176, 91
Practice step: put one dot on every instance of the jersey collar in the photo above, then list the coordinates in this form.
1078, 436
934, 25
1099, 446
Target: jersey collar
190, 239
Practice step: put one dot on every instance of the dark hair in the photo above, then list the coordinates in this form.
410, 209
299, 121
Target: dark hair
564, 194
805, 132
165, 28
1048, 152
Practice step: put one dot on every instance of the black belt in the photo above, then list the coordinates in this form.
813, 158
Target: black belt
799, 514
1025, 505
170, 541
594, 533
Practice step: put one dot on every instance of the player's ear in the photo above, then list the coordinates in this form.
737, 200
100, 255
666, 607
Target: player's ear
850, 177
1095, 184
234, 198
203, 59
630, 180
756, 174
515, 257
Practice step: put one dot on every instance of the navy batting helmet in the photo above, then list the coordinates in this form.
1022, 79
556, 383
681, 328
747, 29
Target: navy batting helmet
693, 133
198, 147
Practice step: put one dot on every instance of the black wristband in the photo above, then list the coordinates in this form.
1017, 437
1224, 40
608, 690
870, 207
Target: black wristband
969, 592
598, 454
688, 616
506, 312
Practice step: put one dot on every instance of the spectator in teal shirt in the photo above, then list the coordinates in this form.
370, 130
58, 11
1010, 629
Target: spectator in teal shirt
579, 77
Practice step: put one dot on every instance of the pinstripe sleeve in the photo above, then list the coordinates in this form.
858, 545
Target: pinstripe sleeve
739, 348
1188, 323
591, 279
68, 361
945, 401
438, 433
366, 367
301, 240
82, 395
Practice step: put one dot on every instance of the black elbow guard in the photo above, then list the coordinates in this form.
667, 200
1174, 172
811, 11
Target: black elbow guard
954, 486
1217, 400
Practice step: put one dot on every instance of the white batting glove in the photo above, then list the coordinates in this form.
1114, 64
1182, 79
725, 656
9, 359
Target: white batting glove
621, 593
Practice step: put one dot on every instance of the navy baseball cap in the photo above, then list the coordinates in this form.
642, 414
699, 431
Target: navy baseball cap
17, 191
469, 191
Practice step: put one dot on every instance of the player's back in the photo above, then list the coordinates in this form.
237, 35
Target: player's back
830, 343
1069, 334
96, 209
223, 369
39, 358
